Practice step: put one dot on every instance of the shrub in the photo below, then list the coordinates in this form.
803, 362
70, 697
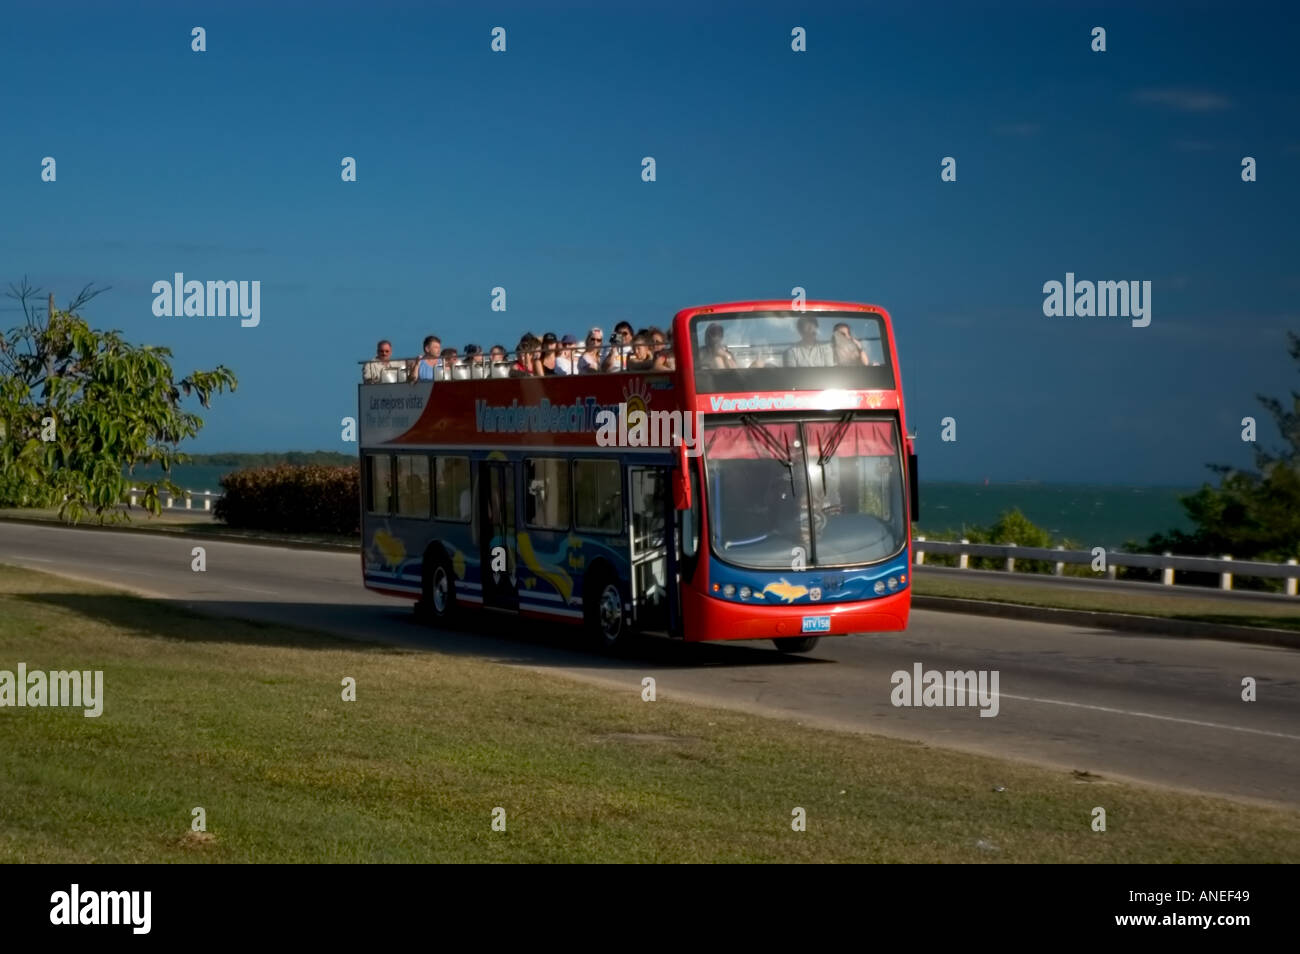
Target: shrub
292, 499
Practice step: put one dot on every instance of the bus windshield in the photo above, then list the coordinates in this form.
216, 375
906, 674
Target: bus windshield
816, 493
771, 351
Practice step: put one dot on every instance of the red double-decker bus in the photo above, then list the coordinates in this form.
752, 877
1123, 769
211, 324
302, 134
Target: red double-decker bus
762, 489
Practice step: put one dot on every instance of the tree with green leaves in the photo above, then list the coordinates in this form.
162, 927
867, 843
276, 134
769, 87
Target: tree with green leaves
79, 406
1252, 514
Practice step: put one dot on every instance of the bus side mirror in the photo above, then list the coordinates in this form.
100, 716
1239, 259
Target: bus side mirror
682, 481
914, 488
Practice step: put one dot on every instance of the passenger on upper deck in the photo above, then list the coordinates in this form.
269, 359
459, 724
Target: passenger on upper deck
550, 354
589, 359
498, 360
525, 357
383, 369
474, 360
848, 349
620, 346
663, 352
566, 362
425, 369
715, 355
642, 358
809, 352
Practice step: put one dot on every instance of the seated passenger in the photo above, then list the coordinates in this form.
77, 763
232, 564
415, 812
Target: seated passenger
589, 359
566, 361
450, 360
809, 352
642, 358
848, 349
474, 361
663, 357
383, 369
550, 353
715, 354
525, 358
424, 367
499, 362
620, 346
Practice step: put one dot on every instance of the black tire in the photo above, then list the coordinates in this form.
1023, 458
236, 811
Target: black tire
796, 644
438, 604
604, 622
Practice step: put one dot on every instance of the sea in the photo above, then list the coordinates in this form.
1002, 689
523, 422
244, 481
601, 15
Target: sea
1098, 514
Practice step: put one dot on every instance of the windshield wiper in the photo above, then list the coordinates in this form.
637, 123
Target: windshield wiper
833, 443
780, 452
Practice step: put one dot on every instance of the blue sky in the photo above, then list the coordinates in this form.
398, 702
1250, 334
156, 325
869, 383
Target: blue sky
775, 169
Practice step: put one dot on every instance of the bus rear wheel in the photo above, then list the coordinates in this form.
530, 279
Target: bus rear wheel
795, 644
602, 609
439, 602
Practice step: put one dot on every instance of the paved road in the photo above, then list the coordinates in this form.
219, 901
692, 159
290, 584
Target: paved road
1157, 709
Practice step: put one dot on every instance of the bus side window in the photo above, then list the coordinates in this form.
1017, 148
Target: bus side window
546, 493
379, 469
598, 495
452, 496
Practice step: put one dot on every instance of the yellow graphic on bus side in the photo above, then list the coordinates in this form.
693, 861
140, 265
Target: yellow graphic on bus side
554, 575
393, 550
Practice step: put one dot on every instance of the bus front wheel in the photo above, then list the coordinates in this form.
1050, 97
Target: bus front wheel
795, 644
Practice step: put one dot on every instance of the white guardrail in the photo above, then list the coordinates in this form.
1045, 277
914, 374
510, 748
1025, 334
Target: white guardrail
169, 501
1167, 563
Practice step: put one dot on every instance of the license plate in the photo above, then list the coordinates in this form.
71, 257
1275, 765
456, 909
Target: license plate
816, 624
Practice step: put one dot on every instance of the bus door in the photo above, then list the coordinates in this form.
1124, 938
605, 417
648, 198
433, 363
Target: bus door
654, 569
497, 542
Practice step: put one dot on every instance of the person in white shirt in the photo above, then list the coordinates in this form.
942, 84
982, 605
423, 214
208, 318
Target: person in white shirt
383, 369
566, 361
809, 352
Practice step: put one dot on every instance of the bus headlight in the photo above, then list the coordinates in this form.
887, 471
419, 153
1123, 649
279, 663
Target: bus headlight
745, 592
893, 583
729, 590
880, 587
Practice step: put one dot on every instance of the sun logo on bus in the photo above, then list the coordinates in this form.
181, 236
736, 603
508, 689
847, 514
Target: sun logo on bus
875, 399
637, 397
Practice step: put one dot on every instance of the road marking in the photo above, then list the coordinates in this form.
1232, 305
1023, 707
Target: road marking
1150, 715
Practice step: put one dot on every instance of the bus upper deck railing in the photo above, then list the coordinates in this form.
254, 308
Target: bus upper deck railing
403, 370
406, 370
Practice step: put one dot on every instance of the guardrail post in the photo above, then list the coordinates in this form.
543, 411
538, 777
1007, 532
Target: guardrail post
207, 500
1060, 565
1167, 574
1225, 579
1011, 561
169, 501
132, 498
1111, 571
189, 501
920, 554
1291, 580
963, 559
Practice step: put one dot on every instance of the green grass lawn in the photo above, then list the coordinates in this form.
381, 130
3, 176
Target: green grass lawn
1185, 604
247, 721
